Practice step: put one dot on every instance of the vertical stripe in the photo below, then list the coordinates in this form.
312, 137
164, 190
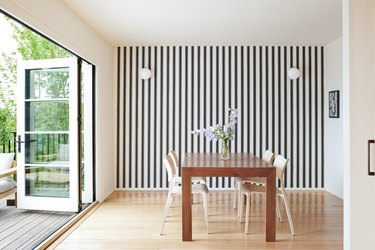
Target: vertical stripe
291, 122
273, 99
130, 114
180, 107
266, 94
285, 111
168, 130
155, 113
249, 98
260, 101
149, 124
118, 121
304, 118
161, 115
217, 101
205, 84
242, 101
310, 123
192, 98
136, 115
254, 101
186, 98
316, 117
124, 120
322, 115
298, 123
174, 82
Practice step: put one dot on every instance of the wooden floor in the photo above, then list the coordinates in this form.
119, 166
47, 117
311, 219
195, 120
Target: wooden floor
131, 220
25, 229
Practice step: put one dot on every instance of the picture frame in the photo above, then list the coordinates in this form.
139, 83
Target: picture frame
334, 104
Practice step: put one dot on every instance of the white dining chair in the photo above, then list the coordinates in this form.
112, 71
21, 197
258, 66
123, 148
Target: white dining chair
178, 179
246, 189
176, 189
268, 157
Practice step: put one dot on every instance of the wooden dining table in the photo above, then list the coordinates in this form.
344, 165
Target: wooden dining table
239, 165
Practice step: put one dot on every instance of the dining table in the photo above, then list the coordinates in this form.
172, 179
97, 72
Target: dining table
239, 165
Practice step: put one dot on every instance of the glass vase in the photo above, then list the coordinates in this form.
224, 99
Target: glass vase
225, 153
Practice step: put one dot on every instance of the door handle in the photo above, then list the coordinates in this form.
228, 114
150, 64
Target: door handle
369, 172
19, 143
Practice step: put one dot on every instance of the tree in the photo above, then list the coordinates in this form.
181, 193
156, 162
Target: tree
30, 46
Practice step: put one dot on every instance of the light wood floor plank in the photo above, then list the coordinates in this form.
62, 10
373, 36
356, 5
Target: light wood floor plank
131, 220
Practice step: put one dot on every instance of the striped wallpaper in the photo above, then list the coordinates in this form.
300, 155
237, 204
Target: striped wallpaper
193, 87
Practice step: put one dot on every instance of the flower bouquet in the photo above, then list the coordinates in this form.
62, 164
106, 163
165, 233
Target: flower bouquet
224, 133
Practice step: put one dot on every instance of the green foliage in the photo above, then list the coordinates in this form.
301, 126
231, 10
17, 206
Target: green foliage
7, 124
30, 46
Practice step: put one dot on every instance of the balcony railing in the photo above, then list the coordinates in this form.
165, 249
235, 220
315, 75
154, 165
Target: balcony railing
10, 146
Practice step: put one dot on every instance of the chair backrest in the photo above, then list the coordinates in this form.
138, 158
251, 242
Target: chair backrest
175, 160
268, 156
280, 163
169, 164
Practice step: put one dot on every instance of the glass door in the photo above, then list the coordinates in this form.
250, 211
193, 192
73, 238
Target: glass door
48, 172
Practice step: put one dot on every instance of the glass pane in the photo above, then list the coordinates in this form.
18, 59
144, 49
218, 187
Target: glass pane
47, 116
47, 149
47, 83
47, 181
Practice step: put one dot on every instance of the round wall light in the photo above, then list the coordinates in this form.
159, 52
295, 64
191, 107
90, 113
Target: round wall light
145, 73
293, 73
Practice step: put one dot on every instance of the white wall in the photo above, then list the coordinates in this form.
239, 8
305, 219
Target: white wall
56, 20
359, 122
333, 127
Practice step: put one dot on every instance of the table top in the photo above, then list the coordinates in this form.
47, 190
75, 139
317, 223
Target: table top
212, 160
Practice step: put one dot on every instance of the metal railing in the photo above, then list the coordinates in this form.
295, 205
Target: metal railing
10, 146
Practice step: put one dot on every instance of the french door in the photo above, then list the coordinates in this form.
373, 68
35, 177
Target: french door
48, 160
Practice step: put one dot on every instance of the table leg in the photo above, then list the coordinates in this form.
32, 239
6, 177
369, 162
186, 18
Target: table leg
186, 207
270, 207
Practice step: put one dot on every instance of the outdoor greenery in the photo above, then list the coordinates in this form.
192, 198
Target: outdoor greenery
30, 46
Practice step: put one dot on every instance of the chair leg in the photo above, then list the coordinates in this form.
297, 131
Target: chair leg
278, 214
204, 197
286, 203
240, 206
247, 212
166, 211
235, 194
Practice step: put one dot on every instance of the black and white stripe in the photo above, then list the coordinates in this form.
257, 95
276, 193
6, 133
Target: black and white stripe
193, 87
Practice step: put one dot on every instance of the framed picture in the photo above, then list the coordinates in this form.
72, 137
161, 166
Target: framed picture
334, 104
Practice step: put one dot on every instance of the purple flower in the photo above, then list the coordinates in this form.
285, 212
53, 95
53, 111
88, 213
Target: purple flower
209, 135
233, 126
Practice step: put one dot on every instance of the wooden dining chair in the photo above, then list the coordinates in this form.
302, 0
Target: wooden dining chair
268, 157
246, 189
176, 189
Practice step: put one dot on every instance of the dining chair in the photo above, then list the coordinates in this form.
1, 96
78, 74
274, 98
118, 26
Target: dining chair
178, 179
176, 189
246, 189
268, 157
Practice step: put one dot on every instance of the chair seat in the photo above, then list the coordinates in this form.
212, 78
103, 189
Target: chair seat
253, 188
195, 189
259, 180
178, 179
6, 185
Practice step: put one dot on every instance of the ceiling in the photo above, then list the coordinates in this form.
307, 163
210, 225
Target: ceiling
212, 22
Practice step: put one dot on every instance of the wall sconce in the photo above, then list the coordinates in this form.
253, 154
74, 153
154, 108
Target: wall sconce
293, 73
145, 73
